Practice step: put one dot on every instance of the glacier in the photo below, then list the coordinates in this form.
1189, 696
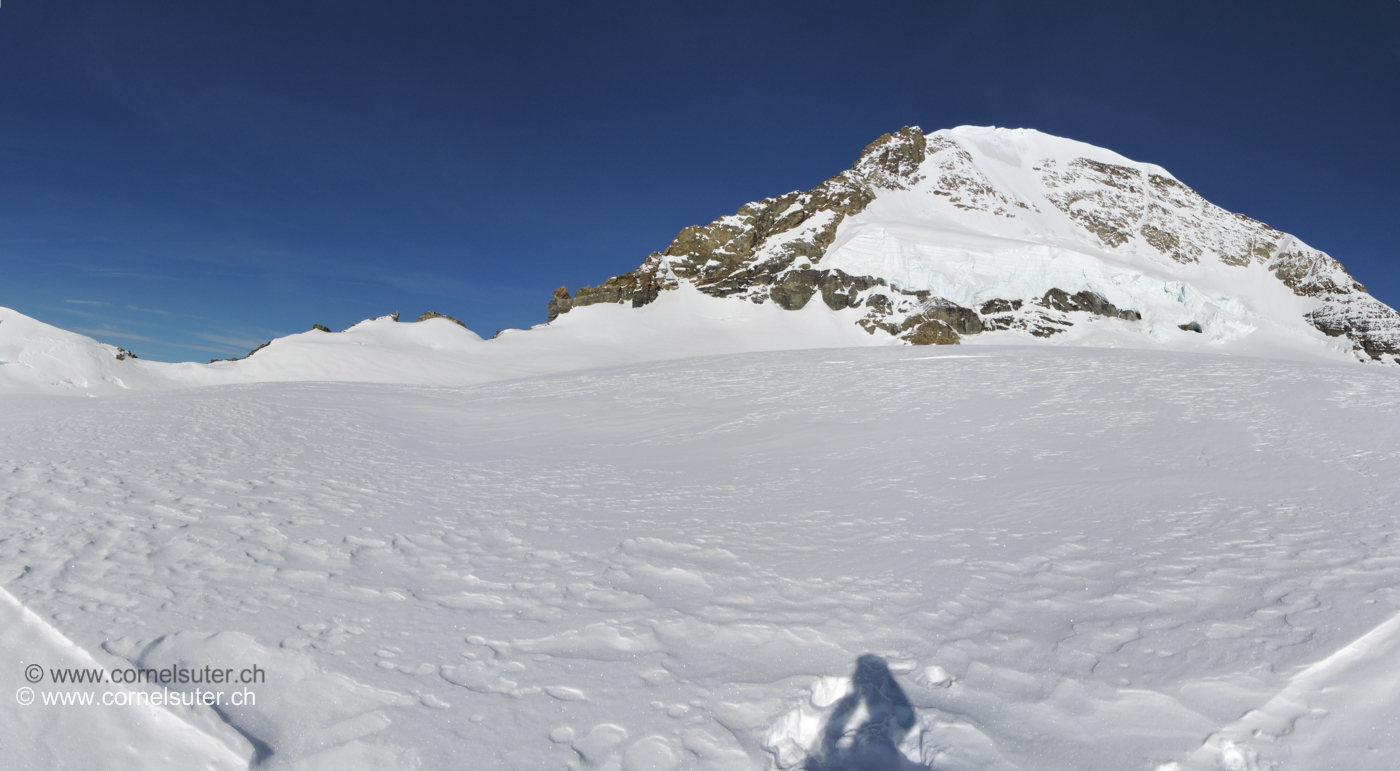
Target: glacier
1068, 558
719, 513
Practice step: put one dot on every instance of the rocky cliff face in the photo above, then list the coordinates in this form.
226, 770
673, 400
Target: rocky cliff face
972, 231
766, 250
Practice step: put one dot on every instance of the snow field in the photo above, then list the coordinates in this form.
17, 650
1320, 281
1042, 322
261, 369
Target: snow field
1068, 558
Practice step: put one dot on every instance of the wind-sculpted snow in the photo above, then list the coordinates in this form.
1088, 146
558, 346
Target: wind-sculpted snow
969, 216
1058, 558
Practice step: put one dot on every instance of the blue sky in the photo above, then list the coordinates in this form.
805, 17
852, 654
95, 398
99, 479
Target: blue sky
190, 179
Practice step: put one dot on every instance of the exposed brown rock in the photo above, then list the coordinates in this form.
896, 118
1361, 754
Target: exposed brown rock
933, 333
246, 355
435, 315
993, 307
639, 288
962, 320
1346, 308
1088, 302
733, 256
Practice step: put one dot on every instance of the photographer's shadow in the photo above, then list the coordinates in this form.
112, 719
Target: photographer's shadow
872, 745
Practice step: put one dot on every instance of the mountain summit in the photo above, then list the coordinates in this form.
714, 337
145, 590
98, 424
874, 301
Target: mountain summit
1012, 235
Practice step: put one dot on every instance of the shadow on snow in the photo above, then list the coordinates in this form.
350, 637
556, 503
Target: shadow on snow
872, 745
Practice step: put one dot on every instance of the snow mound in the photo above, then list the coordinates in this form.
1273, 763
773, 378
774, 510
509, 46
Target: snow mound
36, 356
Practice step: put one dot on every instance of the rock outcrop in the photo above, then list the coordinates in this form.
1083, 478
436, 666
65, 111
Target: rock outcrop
244, 356
435, 315
768, 249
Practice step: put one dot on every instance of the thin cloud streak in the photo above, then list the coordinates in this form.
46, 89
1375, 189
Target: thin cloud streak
233, 341
99, 333
115, 333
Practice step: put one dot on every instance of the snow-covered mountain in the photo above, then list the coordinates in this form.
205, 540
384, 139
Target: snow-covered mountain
969, 235
1012, 235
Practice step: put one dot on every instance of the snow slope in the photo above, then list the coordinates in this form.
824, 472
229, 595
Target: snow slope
34, 355
1062, 558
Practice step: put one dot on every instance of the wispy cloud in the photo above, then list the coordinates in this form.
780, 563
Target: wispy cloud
86, 302
117, 334
108, 318
127, 274
211, 349
148, 310
242, 342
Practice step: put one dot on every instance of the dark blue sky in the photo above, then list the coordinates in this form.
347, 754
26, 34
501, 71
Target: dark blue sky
189, 179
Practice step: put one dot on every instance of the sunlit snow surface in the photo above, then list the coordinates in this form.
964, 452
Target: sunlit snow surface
1001, 236
1068, 559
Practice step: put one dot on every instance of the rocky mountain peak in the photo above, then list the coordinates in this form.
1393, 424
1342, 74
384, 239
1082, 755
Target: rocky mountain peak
893, 161
931, 238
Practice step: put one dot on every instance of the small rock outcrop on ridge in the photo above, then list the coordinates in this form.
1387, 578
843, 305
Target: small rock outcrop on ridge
435, 315
931, 238
246, 355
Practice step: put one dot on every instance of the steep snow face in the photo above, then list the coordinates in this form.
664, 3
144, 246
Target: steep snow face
1020, 235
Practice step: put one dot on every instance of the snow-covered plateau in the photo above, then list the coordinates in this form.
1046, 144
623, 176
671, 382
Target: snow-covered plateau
1067, 558
718, 513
